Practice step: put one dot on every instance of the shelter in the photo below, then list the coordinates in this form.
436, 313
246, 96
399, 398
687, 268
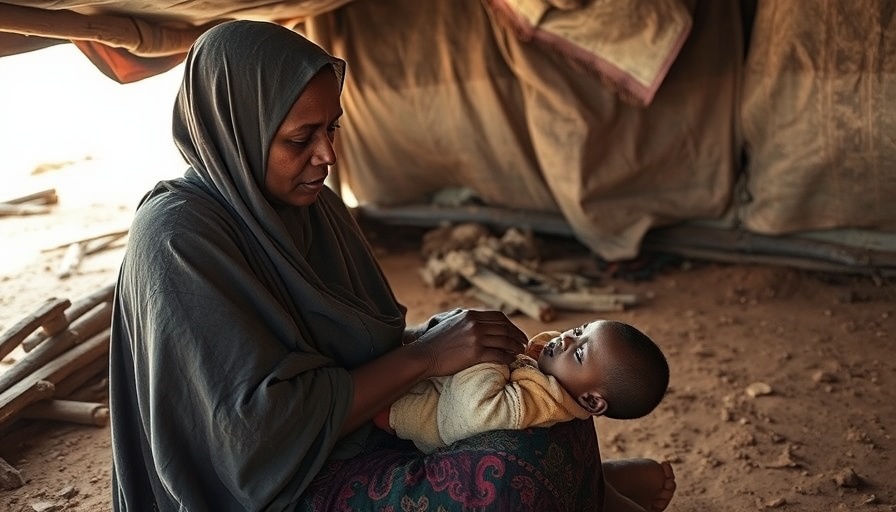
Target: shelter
751, 130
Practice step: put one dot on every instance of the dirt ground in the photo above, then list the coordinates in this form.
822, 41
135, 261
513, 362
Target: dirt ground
782, 390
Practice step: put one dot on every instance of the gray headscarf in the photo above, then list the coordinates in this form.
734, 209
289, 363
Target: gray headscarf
236, 321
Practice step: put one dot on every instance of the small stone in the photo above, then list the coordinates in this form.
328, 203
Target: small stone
68, 492
823, 376
46, 506
758, 389
870, 500
848, 478
775, 503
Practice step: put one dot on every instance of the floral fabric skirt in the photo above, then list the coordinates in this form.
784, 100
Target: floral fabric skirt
538, 469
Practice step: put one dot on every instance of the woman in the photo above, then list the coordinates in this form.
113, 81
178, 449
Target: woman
254, 335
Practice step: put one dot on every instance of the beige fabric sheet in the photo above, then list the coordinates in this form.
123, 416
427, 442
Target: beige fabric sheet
818, 116
445, 95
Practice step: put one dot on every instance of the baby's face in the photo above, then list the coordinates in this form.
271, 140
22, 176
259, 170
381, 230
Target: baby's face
577, 357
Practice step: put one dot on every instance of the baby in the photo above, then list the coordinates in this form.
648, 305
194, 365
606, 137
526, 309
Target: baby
603, 368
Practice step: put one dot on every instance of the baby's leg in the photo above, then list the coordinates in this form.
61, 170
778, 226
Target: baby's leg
647, 483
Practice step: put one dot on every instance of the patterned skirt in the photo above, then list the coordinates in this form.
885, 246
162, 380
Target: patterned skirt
538, 469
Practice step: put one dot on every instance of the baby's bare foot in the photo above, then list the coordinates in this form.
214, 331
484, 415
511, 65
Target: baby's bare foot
648, 483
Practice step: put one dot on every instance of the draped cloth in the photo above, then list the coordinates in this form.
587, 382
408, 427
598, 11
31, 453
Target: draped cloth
236, 321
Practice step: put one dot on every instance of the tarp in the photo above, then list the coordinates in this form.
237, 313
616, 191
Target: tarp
618, 116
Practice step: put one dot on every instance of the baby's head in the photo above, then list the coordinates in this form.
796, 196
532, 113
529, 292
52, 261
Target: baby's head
609, 367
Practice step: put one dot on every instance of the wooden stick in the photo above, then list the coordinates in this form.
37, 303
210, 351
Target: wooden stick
491, 301
47, 315
23, 396
22, 209
104, 244
76, 311
43, 197
485, 254
72, 385
492, 283
84, 413
115, 234
23, 393
577, 301
78, 331
71, 260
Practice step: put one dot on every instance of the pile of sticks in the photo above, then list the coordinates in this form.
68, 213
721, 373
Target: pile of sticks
66, 345
505, 273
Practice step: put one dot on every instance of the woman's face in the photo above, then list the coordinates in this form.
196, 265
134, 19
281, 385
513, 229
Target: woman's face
302, 149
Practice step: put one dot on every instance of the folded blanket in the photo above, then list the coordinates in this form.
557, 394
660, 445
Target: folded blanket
629, 44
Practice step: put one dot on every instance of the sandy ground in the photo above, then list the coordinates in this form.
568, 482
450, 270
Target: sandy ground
820, 439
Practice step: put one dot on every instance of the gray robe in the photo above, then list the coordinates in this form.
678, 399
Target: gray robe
236, 320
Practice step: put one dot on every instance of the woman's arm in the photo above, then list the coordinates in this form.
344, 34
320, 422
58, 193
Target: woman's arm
457, 340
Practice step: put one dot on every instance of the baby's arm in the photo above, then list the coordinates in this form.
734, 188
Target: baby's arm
491, 397
413, 416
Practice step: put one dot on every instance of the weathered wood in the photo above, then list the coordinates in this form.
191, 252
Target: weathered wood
86, 326
45, 314
7, 209
22, 394
115, 235
504, 290
76, 311
84, 413
492, 302
43, 197
488, 255
70, 260
95, 246
584, 301
71, 386
25, 394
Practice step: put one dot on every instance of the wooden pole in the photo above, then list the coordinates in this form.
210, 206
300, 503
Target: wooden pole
76, 311
48, 315
84, 413
27, 390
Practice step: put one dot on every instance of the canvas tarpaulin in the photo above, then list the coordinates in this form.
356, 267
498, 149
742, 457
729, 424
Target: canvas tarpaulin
616, 132
459, 100
819, 118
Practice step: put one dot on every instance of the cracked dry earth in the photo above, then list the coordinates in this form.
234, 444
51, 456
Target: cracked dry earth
781, 398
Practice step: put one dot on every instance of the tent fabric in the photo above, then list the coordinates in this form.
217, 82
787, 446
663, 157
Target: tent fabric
461, 101
818, 118
783, 130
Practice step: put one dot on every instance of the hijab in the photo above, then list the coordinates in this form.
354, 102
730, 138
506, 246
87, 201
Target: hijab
236, 321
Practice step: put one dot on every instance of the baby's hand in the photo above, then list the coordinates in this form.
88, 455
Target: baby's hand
381, 420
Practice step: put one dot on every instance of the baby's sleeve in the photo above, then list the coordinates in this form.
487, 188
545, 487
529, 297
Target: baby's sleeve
414, 415
476, 400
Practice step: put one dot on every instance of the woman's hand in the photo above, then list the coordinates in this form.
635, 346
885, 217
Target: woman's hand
448, 343
458, 339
